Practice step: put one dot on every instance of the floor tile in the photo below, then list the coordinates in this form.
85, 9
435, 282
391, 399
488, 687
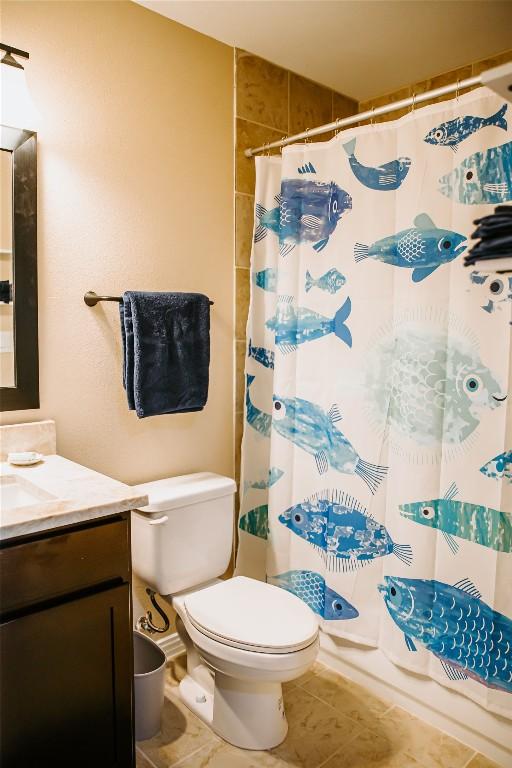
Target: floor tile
315, 732
141, 761
432, 748
347, 697
315, 669
479, 761
222, 755
176, 670
369, 750
182, 733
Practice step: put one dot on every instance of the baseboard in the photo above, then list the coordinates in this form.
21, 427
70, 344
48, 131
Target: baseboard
171, 645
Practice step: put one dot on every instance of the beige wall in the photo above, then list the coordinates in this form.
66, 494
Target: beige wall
135, 192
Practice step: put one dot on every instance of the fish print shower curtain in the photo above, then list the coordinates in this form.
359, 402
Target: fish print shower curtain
376, 463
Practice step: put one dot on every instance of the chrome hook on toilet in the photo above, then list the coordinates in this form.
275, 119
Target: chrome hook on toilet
145, 622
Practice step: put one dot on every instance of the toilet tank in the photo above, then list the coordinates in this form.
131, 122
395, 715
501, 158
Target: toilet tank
184, 536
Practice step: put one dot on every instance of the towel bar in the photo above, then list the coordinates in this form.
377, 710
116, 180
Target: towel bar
91, 299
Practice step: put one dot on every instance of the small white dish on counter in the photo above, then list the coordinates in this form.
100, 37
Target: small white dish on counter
24, 458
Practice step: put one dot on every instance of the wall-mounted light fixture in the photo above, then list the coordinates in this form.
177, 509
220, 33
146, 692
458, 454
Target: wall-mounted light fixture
17, 110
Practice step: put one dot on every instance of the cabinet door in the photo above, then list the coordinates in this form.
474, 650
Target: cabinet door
66, 685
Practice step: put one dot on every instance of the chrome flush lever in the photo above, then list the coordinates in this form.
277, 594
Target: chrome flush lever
146, 622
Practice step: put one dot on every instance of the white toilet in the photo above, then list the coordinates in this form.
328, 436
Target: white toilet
243, 637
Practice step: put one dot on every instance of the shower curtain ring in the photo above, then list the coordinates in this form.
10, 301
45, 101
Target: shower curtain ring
457, 91
307, 136
372, 120
281, 147
413, 105
336, 127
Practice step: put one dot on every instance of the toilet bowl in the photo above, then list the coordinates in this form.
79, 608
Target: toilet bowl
243, 637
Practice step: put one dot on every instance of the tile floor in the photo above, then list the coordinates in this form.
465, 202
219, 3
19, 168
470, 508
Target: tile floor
333, 723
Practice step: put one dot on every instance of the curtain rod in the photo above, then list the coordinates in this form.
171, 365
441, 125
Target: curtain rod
494, 78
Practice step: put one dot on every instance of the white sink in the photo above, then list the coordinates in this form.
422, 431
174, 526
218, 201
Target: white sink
18, 493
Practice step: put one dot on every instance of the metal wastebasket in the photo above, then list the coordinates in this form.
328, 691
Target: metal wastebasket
149, 671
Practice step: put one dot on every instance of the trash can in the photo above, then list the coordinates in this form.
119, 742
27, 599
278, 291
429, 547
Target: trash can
149, 670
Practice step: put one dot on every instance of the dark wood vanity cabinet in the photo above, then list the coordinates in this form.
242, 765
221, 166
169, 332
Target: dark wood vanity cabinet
66, 648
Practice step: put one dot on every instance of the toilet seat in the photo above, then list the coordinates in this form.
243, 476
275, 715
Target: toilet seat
252, 615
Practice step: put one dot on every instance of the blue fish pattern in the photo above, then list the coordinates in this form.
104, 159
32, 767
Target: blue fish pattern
274, 474
498, 289
474, 522
482, 178
331, 282
261, 355
499, 467
422, 248
307, 168
313, 430
257, 419
342, 531
312, 589
266, 279
255, 522
296, 325
385, 177
453, 132
453, 622
307, 212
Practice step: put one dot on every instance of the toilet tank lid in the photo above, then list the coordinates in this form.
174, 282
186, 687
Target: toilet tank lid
172, 492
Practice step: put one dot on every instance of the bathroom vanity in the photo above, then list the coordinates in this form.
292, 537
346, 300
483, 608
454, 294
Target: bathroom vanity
65, 617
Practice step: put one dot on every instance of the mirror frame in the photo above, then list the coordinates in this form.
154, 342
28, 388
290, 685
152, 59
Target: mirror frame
25, 393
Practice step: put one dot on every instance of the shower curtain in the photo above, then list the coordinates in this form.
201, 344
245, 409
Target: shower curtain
376, 457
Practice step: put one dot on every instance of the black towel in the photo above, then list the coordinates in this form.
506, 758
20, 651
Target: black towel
166, 344
494, 235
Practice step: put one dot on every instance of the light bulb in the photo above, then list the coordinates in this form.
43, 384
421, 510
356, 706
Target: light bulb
17, 110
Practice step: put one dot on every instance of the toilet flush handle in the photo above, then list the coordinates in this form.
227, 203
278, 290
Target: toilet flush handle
159, 520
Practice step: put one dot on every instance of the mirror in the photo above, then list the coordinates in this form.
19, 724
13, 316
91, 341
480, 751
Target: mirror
7, 372
19, 368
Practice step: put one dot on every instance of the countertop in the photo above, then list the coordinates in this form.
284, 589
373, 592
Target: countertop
81, 495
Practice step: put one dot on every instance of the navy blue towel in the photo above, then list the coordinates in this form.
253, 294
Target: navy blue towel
166, 346
494, 235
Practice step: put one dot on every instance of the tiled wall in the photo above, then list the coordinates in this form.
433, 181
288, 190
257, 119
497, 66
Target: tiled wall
470, 70
270, 103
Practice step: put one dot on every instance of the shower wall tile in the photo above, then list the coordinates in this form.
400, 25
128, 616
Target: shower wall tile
342, 106
239, 428
244, 219
239, 383
439, 81
379, 101
469, 70
262, 91
310, 106
250, 135
242, 291
501, 58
